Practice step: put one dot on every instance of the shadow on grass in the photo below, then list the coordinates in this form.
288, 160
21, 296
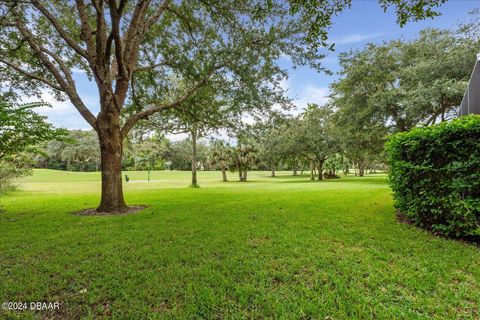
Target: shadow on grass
248, 181
369, 179
301, 181
289, 176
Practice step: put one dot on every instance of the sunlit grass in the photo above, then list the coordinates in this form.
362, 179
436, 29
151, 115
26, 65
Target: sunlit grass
283, 247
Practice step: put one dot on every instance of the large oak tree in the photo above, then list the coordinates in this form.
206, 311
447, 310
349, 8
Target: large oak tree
43, 41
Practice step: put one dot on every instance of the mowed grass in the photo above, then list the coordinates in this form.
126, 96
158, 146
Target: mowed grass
280, 248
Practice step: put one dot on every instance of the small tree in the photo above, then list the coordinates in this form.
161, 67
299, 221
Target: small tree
205, 112
333, 164
221, 154
243, 158
21, 130
149, 154
269, 141
317, 137
291, 145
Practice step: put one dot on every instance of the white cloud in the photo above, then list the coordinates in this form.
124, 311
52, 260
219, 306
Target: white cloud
77, 70
177, 136
62, 114
285, 84
311, 94
356, 37
285, 57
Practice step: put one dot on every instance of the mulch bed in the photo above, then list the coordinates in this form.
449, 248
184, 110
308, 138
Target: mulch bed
401, 217
470, 240
94, 212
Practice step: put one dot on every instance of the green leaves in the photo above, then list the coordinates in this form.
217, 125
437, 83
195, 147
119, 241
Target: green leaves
401, 84
408, 10
434, 176
21, 129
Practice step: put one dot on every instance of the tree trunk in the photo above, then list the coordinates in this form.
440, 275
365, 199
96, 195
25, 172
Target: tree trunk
273, 171
361, 168
361, 171
240, 174
110, 139
245, 175
194, 158
320, 170
312, 174
224, 174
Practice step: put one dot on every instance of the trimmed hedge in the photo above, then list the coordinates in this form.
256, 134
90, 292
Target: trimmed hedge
435, 176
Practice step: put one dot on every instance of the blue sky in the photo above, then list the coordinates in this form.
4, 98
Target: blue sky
365, 22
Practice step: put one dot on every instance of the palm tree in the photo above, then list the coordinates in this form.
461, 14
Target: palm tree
221, 155
243, 158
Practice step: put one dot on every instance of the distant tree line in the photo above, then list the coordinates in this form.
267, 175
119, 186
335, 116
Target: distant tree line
382, 89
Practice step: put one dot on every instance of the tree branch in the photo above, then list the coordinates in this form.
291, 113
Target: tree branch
31, 75
115, 35
35, 46
157, 14
101, 42
148, 112
138, 26
153, 66
133, 34
61, 63
61, 31
86, 32
67, 87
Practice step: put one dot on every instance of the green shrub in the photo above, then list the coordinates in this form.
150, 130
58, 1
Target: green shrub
11, 170
435, 176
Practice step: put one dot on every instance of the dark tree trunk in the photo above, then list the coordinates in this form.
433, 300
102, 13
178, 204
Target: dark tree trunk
361, 168
245, 175
320, 170
110, 139
312, 173
194, 158
273, 171
224, 174
361, 171
240, 174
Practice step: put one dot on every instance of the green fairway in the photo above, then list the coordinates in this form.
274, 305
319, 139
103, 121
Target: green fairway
284, 248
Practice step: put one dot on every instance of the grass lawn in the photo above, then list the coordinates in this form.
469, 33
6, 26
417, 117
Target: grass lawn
284, 248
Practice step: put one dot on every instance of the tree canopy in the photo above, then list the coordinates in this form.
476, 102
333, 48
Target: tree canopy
22, 129
131, 50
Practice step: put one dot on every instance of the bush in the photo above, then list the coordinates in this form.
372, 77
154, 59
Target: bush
11, 170
435, 176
